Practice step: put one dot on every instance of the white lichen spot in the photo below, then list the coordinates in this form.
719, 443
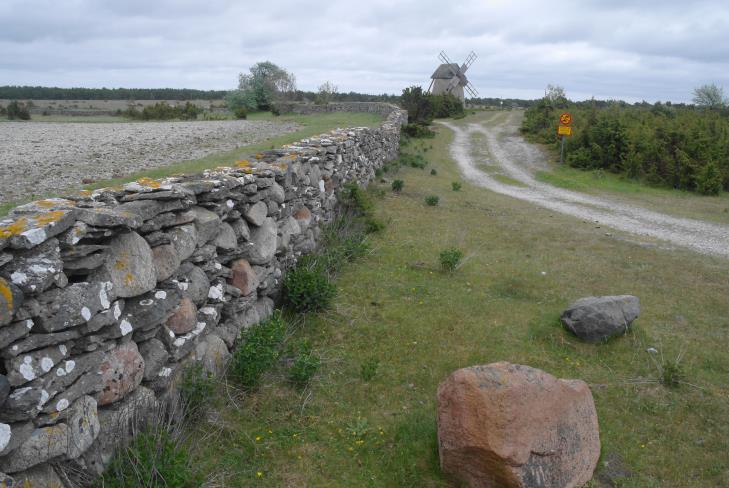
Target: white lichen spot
182, 285
27, 372
125, 327
218, 265
15, 348
117, 311
172, 334
35, 236
62, 405
44, 398
165, 372
5, 435
180, 341
146, 303
46, 364
60, 371
19, 278
321, 186
209, 311
63, 349
20, 392
29, 324
160, 295
216, 292
230, 204
70, 365
86, 313
103, 297
38, 269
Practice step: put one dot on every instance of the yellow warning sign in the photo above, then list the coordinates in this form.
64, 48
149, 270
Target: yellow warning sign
564, 130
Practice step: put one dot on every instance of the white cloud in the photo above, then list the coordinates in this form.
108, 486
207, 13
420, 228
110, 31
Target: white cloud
619, 49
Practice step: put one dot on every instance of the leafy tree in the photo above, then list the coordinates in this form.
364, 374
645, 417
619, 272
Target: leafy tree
268, 83
555, 95
710, 96
418, 105
237, 100
18, 110
326, 93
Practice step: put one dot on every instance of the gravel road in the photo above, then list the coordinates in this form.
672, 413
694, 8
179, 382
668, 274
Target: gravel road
496, 143
43, 157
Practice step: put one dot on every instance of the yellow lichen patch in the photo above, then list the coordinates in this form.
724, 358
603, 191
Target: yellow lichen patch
85, 193
243, 163
17, 227
149, 182
6, 293
49, 217
128, 279
259, 156
248, 171
45, 203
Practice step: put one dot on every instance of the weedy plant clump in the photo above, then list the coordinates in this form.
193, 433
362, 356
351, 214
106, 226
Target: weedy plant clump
259, 351
308, 289
368, 369
433, 172
397, 185
456, 186
450, 259
431, 200
196, 389
304, 366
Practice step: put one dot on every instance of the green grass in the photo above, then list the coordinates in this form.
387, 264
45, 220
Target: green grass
676, 202
311, 125
508, 180
395, 308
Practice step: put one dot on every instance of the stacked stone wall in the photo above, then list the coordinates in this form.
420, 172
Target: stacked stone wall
106, 297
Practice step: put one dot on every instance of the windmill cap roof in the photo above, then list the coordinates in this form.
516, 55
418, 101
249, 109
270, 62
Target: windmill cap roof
446, 71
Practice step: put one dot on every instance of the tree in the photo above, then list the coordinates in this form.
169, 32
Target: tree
556, 96
241, 101
418, 105
326, 92
710, 96
268, 83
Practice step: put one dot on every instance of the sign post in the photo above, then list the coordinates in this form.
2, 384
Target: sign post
564, 130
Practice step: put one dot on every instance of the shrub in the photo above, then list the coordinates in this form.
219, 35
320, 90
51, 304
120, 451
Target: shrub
672, 374
456, 186
431, 200
709, 181
259, 351
196, 388
379, 172
356, 199
17, 110
305, 366
433, 172
374, 225
450, 259
241, 99
413, 160
368, 369
447, 105
164, 111
240, 113
153, 459
308, 289
397, 185
418, 131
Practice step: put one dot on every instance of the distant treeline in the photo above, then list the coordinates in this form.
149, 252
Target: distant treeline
54, 93
675, 145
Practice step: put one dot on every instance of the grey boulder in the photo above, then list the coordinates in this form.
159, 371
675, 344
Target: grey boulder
597, 319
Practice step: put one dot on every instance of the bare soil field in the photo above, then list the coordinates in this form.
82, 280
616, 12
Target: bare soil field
38, 158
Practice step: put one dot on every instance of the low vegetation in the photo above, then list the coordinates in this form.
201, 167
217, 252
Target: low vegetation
163, 111
678, 146
259, 350
398, 327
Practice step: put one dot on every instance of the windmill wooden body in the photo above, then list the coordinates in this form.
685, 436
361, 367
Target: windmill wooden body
451, 78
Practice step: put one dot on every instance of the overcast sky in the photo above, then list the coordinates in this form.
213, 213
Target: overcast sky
632, 50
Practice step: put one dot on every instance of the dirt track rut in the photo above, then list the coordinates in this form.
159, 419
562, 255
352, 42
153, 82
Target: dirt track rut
494, 143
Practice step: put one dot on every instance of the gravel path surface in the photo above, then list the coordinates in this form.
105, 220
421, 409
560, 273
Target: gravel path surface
502, 147
42, 157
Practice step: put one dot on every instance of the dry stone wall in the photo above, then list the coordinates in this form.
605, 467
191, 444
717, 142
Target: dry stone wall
106, 297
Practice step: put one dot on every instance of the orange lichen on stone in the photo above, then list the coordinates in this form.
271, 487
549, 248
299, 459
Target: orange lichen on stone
128, 279
49, 217
259, 156
45, 203
243, 163
17, 227
6, 293
149, 182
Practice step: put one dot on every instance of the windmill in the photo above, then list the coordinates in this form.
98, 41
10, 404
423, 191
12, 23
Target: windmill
451, 78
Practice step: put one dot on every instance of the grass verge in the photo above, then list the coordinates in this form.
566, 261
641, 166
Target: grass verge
395, 309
